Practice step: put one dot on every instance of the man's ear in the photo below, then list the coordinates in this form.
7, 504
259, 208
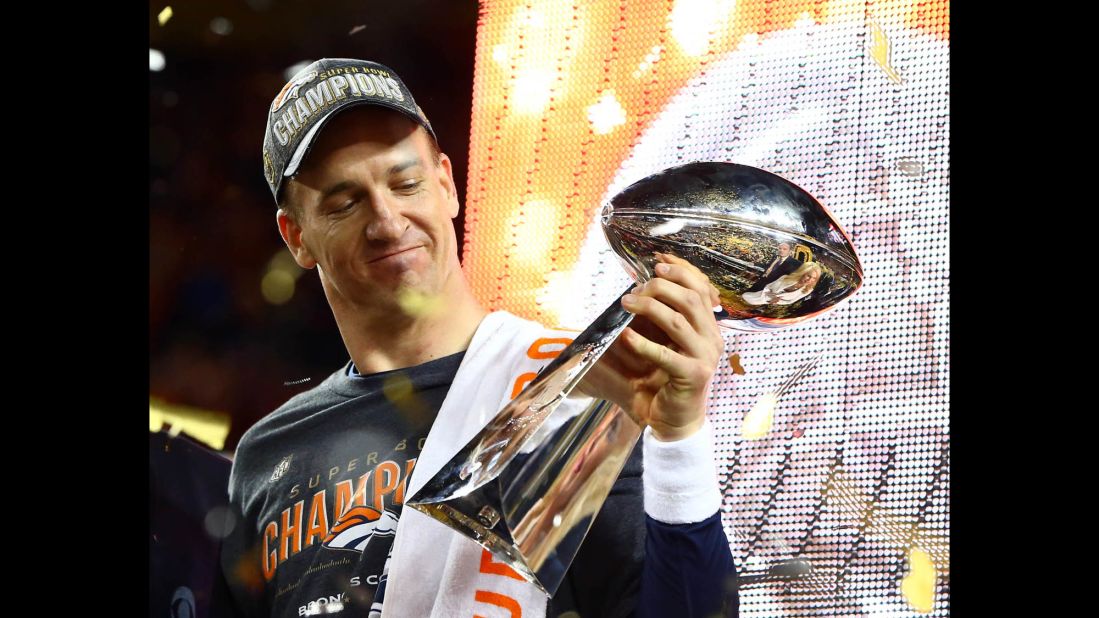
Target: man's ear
291, 235
447, 178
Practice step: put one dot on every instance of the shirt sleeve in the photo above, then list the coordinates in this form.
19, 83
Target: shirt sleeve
688, 568
688, 571
657, 547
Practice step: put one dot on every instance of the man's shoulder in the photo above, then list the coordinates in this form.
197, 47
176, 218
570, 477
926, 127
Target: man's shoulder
300, 406
267, 438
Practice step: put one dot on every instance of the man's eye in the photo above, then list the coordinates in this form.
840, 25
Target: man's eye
346, 206
409, 186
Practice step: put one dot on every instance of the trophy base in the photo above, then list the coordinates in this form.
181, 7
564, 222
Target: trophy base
550, 496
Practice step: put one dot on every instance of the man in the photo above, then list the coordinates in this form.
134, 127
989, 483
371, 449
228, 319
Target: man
366, 198
782, 265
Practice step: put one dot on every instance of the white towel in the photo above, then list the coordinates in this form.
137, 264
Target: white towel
434, 571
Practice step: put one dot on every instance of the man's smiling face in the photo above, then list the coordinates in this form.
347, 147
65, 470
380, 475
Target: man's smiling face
373, 208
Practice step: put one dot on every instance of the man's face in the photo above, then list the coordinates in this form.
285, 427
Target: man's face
375, 210
783, 250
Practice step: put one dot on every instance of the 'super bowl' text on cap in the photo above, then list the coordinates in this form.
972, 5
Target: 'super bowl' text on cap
316, 94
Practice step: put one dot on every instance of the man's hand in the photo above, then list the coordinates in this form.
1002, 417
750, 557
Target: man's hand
660, 367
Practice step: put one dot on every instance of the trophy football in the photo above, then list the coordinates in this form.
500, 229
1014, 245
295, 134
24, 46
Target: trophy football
529, 485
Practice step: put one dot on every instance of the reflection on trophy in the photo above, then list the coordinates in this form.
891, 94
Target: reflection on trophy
528, 486
775, 254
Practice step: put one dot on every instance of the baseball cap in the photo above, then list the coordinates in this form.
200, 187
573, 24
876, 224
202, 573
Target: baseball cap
317, 93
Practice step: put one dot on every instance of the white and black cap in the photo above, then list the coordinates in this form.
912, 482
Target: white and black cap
313, 96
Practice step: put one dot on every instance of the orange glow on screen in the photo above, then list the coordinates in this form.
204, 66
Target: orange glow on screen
563, 91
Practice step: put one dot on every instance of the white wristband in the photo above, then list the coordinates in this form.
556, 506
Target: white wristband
680, 478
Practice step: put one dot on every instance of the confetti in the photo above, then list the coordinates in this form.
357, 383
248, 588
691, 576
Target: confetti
397, 387
356, 30
417, 304
757, 423
277, 286
918, 587
734, 362
219, 522
164, 15
880, 51
401, 392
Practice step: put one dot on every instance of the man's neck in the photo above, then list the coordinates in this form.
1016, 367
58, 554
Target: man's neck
395, 339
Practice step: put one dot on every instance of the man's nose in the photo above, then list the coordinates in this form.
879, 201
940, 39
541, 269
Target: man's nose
388, 224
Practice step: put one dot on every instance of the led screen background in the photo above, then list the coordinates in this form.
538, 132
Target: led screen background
842, 507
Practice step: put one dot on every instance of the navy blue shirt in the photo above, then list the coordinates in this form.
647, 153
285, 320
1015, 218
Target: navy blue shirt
296, 471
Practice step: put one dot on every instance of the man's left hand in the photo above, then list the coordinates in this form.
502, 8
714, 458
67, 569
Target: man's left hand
660, 367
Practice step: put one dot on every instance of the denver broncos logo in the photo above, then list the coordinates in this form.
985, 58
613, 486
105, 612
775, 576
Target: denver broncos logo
358, 525
290, 90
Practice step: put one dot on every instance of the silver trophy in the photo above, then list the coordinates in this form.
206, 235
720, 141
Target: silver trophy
529, 485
